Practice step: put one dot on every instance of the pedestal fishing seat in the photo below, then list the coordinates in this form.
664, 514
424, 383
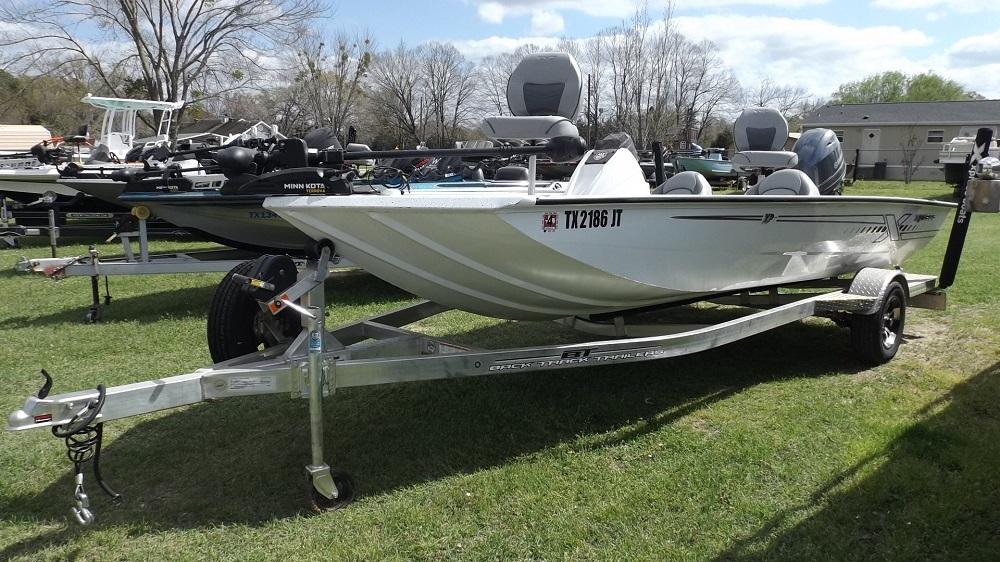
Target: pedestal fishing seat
543, 95
760, 134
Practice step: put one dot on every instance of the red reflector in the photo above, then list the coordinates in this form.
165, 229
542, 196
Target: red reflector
43, 418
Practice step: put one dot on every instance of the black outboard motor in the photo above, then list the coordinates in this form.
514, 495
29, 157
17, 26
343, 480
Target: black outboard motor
822, 159
42, 154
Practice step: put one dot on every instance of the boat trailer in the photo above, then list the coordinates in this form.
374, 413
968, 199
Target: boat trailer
380, 350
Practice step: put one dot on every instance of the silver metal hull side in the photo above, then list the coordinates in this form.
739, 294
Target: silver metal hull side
104, 189
246, 223
510, 260
34, 181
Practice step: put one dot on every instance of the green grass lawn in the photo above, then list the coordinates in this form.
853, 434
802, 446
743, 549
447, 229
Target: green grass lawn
781, 446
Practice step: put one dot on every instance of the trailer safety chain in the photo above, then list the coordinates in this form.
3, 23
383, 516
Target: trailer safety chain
83, 439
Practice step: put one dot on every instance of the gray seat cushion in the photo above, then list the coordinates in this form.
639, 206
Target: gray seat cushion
787, 182
684, 183
752, 159
528, 128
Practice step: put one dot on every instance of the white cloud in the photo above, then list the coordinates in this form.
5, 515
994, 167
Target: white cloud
494, 12
963, 6
814, 54
975, 51
491, 12
544, 22
475, 49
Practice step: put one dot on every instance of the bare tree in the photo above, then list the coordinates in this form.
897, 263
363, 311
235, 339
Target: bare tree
912, 160
593, 66
330, 84
396, 91
791, 101
449, 84
178, 49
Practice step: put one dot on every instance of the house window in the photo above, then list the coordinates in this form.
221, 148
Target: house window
935, 135
840, 135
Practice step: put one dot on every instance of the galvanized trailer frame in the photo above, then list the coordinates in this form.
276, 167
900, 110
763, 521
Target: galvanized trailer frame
91, 265
379, 350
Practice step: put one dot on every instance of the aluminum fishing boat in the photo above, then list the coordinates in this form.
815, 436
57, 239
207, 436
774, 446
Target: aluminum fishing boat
606, 244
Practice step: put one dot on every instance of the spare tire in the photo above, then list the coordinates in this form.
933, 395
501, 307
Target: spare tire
236, 323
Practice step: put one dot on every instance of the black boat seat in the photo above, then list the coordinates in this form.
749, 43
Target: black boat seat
543, 95
786, 182
684, 183
82, 136
760, 134
512, 173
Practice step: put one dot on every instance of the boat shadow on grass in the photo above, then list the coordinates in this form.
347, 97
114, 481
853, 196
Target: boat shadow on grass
347, 289
933, 493
241, 460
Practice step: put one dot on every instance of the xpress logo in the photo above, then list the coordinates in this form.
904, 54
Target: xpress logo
599, 156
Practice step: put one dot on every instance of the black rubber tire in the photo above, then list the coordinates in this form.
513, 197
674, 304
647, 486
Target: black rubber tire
230, 318
234, 326
319, 503
876, 337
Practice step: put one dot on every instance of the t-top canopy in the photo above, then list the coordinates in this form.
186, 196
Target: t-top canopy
122, 103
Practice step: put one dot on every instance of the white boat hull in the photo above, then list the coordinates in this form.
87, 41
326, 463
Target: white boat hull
523, 257
33, 181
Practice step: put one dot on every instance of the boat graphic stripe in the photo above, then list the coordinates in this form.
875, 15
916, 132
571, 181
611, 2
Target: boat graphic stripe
760, 218
756, 218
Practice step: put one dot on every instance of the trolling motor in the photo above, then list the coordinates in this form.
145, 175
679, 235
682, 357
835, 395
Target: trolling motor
83, 443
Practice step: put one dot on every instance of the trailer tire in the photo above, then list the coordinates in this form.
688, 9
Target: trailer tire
234, 316
319, 503
876, 337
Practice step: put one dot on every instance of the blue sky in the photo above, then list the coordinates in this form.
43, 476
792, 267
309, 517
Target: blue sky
816, 44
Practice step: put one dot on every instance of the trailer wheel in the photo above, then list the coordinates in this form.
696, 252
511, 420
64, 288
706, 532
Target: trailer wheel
345, 494
876, 337
236, 323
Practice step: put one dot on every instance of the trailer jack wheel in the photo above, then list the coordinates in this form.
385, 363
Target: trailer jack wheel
876, 337
319, 503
